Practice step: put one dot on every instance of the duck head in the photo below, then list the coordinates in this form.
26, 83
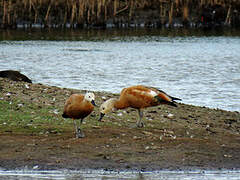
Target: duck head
90, 97
107, 107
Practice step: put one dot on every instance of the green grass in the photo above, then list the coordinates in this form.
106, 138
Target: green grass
27, 117
30, 118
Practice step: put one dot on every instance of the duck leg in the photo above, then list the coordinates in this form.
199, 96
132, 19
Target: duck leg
79, 133
76, 127
140, 124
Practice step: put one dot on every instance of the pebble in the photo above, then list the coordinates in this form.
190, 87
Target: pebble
119, 114
26, 86
35, 167
135, 137
147, 147
20, 105
55, 111
160, 138
227, 155
170, 116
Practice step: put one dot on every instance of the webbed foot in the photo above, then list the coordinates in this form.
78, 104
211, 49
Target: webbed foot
79, 133
140, 124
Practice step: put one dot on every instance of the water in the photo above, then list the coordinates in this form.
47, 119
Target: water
201, 68
103, 175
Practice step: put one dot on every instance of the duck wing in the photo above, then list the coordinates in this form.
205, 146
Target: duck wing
164, 98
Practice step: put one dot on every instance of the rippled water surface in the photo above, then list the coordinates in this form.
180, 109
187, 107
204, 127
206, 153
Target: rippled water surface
202, 69
98, 174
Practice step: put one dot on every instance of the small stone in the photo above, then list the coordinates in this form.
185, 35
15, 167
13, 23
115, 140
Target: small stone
160, 138
55, 111
135, 137
20, 105
119, 114
35, 167
170, 116
26, 86
106, 157
227, 155
147, 147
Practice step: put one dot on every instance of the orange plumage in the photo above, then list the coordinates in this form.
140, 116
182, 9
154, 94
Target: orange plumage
138, 97
76, 108
79, 106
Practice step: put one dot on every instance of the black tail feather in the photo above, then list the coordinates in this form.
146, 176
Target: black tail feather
65, 116
171, 103
174, 98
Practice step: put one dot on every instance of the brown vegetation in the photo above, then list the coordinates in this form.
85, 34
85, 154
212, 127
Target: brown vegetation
85, 13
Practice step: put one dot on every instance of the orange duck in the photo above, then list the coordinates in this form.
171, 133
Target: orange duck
79, 106
138, 97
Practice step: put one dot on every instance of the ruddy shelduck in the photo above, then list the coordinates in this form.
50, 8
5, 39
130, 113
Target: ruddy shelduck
138, 97
79, 106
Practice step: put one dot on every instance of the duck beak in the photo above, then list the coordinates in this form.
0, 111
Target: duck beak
93, 103
101, 116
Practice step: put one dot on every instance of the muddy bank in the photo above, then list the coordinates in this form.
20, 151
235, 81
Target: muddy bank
33, 134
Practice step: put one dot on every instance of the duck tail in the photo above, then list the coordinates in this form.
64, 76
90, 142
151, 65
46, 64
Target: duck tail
64, 115
175, 99
167, 101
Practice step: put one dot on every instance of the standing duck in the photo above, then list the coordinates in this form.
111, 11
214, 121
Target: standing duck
138, 97
79, 106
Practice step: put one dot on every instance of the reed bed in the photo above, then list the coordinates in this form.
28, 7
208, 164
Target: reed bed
99, 13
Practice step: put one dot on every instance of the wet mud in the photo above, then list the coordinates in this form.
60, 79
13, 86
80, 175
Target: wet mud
34, 135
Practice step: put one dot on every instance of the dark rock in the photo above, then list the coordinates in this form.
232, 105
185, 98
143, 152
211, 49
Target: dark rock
15, 76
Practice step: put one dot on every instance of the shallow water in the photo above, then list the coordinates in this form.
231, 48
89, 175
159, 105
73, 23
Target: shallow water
201, 68
101, 174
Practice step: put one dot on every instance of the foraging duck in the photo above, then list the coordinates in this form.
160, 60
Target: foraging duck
138, 97
79, 106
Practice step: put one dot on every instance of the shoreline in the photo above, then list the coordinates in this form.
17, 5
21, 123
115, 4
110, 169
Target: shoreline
32, 133
97, 14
